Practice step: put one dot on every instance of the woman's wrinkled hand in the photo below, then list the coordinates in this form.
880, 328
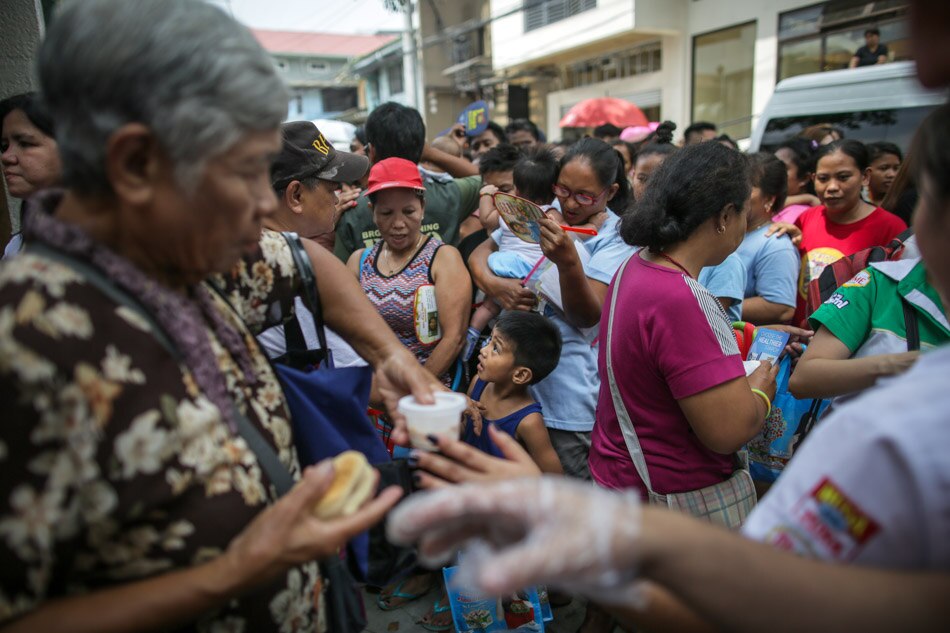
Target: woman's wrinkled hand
457, 462
547, 530
287, 534
399, 375
556, 244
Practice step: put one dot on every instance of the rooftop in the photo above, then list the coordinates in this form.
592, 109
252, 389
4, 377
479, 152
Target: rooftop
320, 44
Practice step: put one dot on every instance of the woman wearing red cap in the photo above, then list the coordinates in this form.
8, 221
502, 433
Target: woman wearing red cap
419, 285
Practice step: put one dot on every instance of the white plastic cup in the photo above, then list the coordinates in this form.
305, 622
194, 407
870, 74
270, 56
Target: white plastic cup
442, 418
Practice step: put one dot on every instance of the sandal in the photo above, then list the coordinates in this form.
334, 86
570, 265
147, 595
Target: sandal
436, 610
399, 593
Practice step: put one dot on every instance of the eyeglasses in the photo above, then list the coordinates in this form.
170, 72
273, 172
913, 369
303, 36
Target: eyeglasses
580, 198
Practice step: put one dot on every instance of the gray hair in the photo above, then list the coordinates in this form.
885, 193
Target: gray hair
188, 71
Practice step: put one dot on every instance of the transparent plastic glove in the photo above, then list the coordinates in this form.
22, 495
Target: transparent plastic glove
513, 534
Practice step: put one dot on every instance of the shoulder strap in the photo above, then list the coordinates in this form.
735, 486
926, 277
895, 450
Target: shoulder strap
911, 326
365, 256
623, 417
105, 285
266, 456
311, 296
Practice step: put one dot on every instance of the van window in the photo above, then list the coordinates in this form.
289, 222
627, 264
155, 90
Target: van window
895, 126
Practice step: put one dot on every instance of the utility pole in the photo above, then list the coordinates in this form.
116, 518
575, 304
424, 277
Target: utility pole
412, 76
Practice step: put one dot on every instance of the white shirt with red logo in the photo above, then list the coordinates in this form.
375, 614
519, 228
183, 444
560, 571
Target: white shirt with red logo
871, 485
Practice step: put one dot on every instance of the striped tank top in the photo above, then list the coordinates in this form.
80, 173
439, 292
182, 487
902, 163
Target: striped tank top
406, 299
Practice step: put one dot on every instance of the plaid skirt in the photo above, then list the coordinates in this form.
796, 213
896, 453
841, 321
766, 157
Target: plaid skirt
727, 503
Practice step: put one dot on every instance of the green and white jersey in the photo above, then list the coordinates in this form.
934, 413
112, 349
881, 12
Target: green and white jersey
867, 315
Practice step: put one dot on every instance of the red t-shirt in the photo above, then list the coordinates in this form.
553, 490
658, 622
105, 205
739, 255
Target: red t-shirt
671, 340
824, 242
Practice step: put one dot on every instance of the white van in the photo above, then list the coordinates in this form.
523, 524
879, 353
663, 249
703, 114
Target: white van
874, 103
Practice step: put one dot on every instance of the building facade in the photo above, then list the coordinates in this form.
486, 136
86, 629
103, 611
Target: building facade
683, 60
315, 66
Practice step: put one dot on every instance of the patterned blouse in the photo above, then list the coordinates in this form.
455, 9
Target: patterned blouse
115, 466
406, 299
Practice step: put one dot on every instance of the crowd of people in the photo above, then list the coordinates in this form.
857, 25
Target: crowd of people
151, 288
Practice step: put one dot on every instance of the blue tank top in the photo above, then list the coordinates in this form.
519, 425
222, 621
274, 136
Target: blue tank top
508, 424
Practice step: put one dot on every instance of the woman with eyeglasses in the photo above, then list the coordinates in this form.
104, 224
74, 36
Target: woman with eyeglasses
591, 177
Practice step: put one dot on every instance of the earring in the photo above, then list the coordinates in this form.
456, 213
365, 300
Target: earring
721, 230
768, 208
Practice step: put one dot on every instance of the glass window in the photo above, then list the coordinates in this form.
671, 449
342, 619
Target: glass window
896, 37
825, 37
543, 12
799, 22
394, 75
840, 48
339, 99
722, 78
895, 126
799, 58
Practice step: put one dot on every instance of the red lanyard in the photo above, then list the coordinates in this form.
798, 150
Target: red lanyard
673, 261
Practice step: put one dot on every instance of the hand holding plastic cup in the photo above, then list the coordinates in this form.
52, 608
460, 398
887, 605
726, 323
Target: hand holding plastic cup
442, 418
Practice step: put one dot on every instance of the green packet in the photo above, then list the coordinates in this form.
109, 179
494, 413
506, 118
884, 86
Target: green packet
477, 613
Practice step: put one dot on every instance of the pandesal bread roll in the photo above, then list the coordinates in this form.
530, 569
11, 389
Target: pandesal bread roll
353, 483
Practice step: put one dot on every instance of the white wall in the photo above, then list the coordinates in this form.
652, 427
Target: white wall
511, 46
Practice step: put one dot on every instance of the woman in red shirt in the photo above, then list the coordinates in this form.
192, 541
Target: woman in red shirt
843, 223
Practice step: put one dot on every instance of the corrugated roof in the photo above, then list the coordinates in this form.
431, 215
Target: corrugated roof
325, 44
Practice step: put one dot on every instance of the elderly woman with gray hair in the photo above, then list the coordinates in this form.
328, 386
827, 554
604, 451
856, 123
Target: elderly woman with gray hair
138, 410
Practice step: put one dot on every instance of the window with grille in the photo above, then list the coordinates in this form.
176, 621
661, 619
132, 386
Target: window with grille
538, 13
394, 76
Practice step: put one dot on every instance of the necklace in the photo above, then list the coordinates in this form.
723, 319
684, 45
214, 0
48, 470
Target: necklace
390, 268
758, 226
673, 261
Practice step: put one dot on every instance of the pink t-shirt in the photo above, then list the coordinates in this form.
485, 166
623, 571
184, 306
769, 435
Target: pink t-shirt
672, 339
790, 213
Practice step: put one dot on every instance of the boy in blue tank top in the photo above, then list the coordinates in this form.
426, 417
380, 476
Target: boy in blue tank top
523, 349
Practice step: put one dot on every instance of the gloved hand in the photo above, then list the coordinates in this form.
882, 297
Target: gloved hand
546, 530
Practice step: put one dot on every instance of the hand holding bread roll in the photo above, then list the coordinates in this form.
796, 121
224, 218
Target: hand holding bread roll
354, 482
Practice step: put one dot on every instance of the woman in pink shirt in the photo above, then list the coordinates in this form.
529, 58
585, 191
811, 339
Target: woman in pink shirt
677, 364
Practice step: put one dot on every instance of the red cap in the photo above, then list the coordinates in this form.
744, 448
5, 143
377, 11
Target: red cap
392, 173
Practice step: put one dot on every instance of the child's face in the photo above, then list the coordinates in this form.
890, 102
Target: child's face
504, 180
882, 173
496, 359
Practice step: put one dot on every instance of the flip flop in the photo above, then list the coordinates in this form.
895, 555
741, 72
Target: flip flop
437, 609
399, 593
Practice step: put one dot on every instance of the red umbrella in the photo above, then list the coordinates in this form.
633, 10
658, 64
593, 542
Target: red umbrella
601, 110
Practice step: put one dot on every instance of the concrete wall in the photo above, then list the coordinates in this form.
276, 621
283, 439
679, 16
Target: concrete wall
21, 23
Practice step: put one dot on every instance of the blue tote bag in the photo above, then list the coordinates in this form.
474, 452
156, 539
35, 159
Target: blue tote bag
327, 405
788, 423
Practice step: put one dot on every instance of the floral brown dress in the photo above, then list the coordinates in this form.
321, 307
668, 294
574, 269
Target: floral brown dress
114, 465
